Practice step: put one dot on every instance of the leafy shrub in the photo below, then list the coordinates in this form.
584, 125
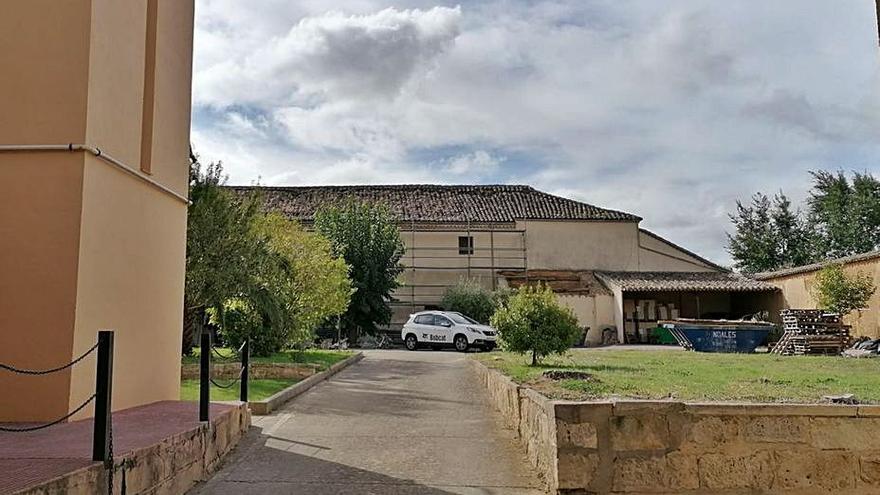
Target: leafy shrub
470, 298
313, 285
838, 292
501, 296
533, 321
240, 320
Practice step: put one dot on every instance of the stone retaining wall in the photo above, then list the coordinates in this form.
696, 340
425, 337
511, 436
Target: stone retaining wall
528, 413
257, 371
649, 447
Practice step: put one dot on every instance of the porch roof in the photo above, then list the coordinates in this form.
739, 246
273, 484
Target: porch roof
683, 282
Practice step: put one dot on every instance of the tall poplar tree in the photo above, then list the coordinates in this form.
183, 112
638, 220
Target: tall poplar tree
366, 236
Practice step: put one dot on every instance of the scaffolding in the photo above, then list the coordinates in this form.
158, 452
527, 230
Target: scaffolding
506, 250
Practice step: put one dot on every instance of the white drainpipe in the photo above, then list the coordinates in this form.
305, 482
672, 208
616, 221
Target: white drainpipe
98, 153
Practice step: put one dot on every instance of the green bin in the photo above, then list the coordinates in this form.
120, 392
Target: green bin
664, 336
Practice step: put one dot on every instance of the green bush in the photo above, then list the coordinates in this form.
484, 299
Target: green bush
533, 321
469, 298
501, 296
843, 294
239, 320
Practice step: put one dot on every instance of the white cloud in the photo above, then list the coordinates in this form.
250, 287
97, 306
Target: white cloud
332, 56
671, 110
480, 163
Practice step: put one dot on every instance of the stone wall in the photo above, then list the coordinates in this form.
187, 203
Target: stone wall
169, 467
649, 447
529, 414
256, 371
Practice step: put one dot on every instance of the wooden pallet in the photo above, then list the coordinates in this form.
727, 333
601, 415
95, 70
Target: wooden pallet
811, 332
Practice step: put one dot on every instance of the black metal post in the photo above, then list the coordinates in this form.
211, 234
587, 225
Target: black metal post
103, 395
245, 364
205, 376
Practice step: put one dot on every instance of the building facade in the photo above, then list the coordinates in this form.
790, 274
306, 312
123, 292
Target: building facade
797, 290
510, 235
94, 148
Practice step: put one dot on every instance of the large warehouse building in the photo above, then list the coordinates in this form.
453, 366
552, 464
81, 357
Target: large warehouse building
612, 273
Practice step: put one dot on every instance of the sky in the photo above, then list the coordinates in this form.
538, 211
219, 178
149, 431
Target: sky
670, 110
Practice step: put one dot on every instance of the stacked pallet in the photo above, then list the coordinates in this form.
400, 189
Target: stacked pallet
811, 331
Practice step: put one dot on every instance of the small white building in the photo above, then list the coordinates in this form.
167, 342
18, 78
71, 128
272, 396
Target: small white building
613, 274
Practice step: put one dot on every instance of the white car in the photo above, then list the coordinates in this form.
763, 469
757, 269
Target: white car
446, 328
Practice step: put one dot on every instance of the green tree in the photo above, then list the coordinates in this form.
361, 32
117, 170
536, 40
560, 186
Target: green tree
846, 215
240, 320
470, 298
366, 236
843, 294
769, 235
754, 247
221, 253
257, 275
315, 285
794, 236
533, 321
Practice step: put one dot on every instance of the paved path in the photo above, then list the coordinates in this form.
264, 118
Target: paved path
398, 422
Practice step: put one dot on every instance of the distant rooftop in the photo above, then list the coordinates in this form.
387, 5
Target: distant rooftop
438, 203
683, 282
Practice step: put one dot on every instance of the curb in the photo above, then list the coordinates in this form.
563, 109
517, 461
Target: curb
264, 407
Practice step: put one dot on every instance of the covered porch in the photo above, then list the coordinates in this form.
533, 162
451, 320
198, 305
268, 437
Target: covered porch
642, 299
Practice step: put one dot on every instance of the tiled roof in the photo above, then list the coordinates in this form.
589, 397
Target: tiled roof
561, 281
683, 281
437, 203
817, 266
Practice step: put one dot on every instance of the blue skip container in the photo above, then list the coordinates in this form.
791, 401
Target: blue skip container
720, 335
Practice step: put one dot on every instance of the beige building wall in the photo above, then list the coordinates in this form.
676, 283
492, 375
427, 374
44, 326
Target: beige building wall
42, 42
573, 245
797, 293
435, 264
658, 255
131, 266
39, 237
594, 312
84, 244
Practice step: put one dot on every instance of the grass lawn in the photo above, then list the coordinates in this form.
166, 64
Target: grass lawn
694, 376
310, 356
257, 390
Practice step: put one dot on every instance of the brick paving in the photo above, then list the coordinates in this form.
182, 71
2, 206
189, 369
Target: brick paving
28, 459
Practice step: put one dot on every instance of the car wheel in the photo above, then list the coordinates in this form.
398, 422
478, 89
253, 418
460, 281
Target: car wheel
411, 342
461, 343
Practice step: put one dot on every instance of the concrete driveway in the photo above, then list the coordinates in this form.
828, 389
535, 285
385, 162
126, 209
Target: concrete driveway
398, 422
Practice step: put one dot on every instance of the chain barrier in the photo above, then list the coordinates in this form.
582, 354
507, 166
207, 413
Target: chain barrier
206, 365
231, 384
223, 359
102, 432
52, 370
67, 416
109, 463
113, 467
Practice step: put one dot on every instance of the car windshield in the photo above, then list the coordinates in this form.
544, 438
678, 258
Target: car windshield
460, 318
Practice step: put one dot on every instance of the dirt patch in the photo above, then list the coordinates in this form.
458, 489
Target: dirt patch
569, 375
